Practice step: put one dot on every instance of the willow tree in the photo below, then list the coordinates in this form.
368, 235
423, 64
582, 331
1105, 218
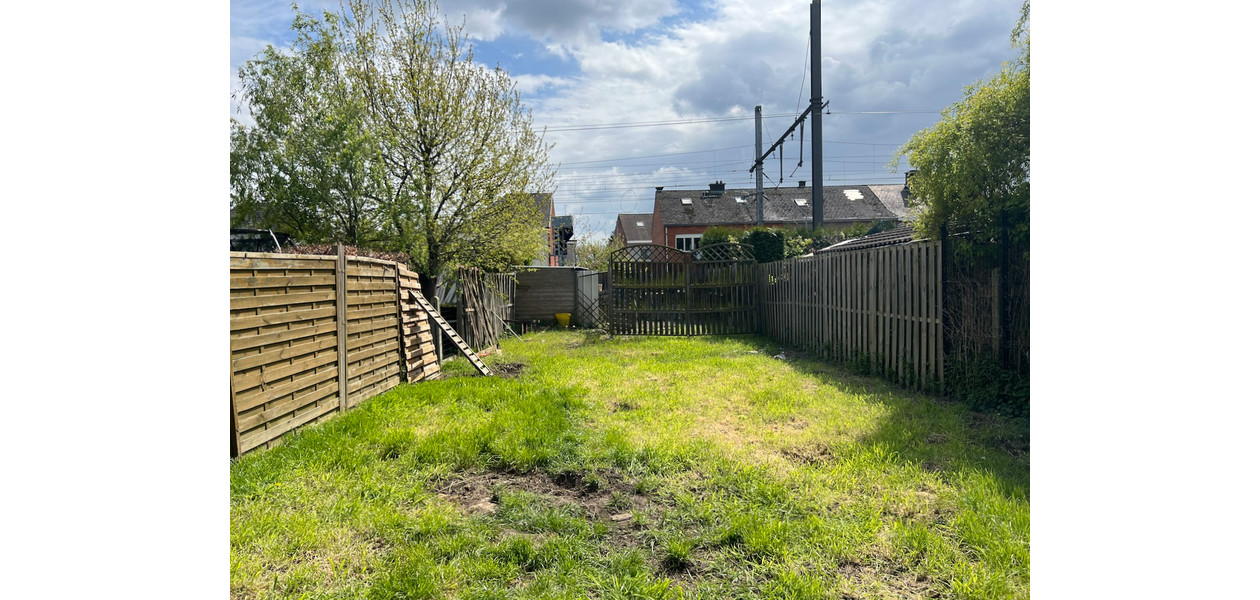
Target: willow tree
308, 164
458, 147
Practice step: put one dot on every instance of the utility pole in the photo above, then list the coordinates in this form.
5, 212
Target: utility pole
816, 106
761, 194
815, 102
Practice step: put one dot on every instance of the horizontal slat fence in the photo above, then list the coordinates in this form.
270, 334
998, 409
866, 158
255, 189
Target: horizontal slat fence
419, 349
315, 335
879, 307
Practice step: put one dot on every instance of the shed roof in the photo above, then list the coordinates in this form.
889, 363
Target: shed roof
891, 237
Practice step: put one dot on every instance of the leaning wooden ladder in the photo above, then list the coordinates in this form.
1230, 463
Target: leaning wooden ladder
450, 332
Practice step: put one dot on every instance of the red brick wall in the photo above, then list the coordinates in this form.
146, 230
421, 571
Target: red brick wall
672, 232
658, 227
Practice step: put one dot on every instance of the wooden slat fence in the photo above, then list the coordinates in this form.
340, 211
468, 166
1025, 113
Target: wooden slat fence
657, 290
312, 336
484, 306
880, 308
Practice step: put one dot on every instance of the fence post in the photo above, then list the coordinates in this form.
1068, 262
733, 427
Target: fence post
402, 336
942, 276
236, 432
341, 326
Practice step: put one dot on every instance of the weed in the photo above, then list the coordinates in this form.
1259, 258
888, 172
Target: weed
678, 554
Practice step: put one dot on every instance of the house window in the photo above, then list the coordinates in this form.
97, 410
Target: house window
687, 241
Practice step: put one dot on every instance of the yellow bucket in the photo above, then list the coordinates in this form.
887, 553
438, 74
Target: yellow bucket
562, 319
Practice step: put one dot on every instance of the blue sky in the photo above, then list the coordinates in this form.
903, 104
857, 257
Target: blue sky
583, 63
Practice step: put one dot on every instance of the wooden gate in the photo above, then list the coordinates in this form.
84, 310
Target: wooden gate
657, 290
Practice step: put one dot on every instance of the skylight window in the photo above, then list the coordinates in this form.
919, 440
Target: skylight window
638, 223
853, 194
801, 202
741, 200
686, 200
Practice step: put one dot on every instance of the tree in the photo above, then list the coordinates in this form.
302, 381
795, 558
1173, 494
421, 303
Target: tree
973, 165
592, 250
308, 165
378, 129
459, 150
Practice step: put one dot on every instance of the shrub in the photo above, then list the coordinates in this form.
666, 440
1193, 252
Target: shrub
721, 235
767, 244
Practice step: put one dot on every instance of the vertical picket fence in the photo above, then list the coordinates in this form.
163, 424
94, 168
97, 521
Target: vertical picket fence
880, 308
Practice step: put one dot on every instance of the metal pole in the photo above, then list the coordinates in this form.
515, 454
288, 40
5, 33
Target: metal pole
815, 101
761, 194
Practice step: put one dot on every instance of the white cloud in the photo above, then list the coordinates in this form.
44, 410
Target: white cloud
564, 23
725, 58
533, 84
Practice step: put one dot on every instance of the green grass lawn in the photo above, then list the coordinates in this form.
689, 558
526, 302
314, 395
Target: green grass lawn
639, 468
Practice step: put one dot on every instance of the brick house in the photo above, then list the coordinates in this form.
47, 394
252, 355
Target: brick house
680, 217
632, 229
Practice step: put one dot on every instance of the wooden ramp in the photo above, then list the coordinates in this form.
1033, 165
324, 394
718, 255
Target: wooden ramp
450, 332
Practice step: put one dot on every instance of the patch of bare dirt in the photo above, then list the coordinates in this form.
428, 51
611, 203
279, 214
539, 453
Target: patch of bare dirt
899, 583
509, 370
814, 454
604, 496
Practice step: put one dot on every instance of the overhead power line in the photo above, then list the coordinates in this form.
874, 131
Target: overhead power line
657, 123
584, 162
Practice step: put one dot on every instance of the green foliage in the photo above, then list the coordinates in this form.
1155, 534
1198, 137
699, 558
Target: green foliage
721, 235
798, 241
458, 145
973, 166
379, 129
767, 243
309, 164
592, 251
982, 383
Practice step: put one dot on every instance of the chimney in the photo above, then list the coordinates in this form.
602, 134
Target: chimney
909, 174
718, 186
800, 184
660, 188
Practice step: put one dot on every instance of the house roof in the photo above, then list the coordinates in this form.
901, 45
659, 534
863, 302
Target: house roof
894, 197
545, 207
629, 224
860, 203
891, 237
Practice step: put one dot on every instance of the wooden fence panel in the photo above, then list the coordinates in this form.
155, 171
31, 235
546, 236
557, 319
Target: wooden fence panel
420, 360
657, 290
283, 329
880, 305
311, 336
372, 343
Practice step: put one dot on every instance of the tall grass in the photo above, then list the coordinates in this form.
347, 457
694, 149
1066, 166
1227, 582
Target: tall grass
742, 475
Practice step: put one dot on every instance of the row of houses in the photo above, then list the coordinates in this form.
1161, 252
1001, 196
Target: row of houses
679, 218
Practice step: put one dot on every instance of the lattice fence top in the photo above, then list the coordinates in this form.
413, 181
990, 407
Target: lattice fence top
724, 252
648, 253
664, 254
